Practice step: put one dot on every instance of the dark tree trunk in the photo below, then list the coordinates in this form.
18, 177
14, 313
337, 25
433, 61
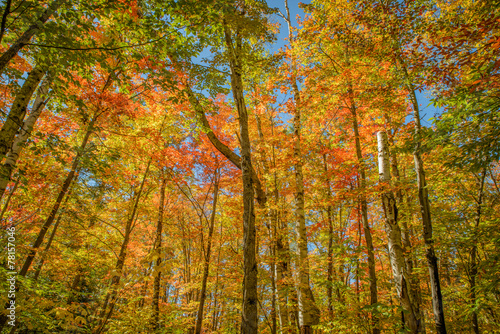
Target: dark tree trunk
206, 264
157, 249
249, 321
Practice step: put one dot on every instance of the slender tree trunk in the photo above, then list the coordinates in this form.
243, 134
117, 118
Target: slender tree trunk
20, 140
157, 249
329, 212
249, 323
57, 204
396, 252
425, 210
284, 285
309, 313
112, 295
473, 254
17, 112
364, 217
404, 216
206, 264
28, 34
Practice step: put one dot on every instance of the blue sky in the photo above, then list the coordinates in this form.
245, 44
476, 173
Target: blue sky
427, 110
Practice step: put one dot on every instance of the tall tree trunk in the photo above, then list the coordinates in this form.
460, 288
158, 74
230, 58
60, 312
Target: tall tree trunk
20, 140
425, 210
112, 296
329, 213
364, 217
60, 197
249, 321
404, 216
309, 313
28, 34
157, 249
284, 284
206, 264
396, 252
473, 253
17, 112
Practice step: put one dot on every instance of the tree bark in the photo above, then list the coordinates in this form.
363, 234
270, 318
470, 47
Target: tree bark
396, 252
20, 140
364, 217
249, 323
206, 264
18, 110
425, 210
329, 213
473, 254
28, 34
309, 313
157, 249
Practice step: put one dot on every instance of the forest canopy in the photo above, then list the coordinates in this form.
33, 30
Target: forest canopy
222, 166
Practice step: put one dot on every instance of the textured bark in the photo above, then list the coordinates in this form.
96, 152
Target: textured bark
206, 264
249, 321
57, 204
396, 252
28, 34
425, 210
329, 213
17, 112
473, 254
364, 217
157, 248
284, 283
309, 313
112, 295
20, 140
405, 218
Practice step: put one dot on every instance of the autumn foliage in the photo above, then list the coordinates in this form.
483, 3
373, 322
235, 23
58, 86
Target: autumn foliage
165, 170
